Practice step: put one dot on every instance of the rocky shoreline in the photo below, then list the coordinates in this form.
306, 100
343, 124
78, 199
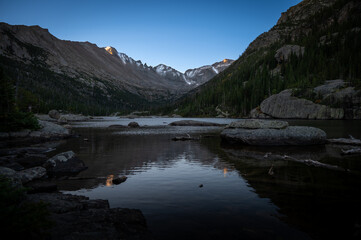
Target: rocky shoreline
72, 217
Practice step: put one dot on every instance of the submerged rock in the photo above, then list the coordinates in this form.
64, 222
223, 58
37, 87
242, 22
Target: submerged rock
133, 125
117, 126
194, 123
119, 180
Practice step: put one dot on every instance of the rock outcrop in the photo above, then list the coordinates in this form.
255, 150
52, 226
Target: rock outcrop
332, 93
267, 135
291, 24
283, 54
284, 105
48, 130
72, 217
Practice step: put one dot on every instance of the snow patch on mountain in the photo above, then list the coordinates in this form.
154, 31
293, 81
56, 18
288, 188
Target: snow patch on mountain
192, 77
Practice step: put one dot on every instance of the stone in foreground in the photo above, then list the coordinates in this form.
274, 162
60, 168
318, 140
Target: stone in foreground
295, 135
77, 217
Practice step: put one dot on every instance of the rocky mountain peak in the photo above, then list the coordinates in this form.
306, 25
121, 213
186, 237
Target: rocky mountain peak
291, 24
303, 10
111, 50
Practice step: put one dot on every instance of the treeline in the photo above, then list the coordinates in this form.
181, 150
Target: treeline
331, 53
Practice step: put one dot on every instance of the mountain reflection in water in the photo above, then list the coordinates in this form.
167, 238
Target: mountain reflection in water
239, 199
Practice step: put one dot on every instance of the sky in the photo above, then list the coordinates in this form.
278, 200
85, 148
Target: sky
182, 34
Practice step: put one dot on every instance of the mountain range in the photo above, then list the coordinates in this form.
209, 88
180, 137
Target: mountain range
314, 45
80, 76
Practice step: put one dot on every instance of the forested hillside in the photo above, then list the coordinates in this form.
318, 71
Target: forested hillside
330, 39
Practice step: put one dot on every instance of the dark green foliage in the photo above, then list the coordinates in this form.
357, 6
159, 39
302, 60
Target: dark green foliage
20, 219
245, 84
17, 120
11, 119
7, 94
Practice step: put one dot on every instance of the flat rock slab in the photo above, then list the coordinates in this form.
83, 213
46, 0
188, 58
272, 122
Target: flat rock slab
294, 135
194, 123
256, 123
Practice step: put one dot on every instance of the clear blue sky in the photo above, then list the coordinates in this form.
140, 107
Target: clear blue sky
182, 34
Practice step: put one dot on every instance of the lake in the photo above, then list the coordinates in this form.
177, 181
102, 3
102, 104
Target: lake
205, 189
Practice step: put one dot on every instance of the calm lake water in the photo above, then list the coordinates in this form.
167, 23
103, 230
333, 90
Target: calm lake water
244, 195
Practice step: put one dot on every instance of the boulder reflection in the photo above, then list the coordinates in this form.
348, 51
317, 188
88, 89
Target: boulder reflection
322, 202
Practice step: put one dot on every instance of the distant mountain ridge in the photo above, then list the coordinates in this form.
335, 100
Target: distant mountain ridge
80, 76
193, 77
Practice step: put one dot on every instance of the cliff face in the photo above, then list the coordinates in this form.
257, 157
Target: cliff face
292, 23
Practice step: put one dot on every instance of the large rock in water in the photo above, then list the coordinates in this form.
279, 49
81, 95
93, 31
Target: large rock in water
284, 105
255, 124
263, 136
133, 125
65, 163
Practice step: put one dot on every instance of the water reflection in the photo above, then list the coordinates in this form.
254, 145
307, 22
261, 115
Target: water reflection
322, 202
225, 171
244, 194
109, 181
